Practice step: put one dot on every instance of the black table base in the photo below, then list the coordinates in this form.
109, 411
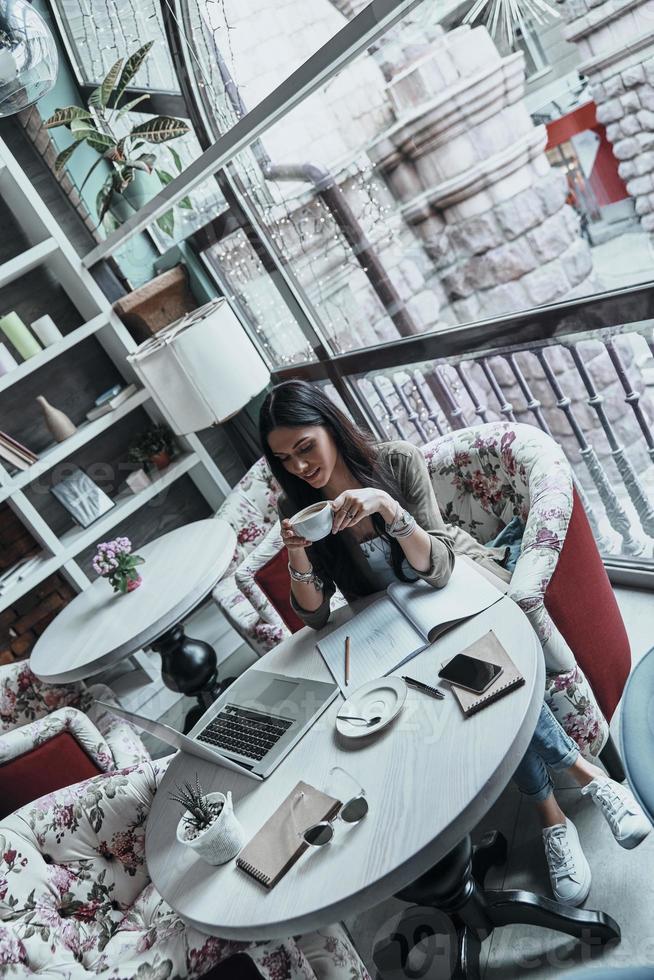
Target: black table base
466, 913
190, 667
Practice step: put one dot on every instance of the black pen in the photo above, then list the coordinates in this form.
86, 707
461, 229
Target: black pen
425, 688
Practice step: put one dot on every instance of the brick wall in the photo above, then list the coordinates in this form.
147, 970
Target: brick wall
22, 624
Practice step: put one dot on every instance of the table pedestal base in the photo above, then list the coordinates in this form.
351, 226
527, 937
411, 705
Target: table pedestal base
467, 913
190, 667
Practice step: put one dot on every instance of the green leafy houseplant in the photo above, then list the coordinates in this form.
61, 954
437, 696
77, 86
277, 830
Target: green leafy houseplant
156, 442
201, 812
96, 125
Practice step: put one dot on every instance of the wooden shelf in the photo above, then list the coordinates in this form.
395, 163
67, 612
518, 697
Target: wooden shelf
51, 564
39, 360
26, 261
50, 247
85, 433
79, 538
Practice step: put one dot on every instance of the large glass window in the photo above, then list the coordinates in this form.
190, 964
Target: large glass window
413, 192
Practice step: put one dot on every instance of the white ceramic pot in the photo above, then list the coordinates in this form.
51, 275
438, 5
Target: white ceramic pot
221, 841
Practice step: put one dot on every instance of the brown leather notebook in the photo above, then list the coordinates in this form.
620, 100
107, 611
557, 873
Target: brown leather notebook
277, 845
488, 648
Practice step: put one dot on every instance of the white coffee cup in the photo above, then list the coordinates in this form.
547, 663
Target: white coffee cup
313, 522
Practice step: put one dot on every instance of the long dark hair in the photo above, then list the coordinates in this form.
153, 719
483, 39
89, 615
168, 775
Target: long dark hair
293, 404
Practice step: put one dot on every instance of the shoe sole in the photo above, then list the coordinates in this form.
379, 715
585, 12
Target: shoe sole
634, 840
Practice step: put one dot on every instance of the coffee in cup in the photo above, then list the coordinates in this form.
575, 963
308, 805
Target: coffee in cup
313, 522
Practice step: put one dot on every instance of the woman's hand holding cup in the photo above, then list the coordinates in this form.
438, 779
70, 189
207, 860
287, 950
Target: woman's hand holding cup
292, 541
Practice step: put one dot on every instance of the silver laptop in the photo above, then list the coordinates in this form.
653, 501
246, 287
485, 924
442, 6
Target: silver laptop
252, 726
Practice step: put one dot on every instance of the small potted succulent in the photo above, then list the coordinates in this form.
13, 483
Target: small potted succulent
153, 448
114, 561
208, 825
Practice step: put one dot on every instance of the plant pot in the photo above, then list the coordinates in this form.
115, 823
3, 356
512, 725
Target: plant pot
160, 460
134, 583
137, 193
220, 842
130, 586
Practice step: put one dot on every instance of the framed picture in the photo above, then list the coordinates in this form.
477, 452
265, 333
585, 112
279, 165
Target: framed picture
82, 498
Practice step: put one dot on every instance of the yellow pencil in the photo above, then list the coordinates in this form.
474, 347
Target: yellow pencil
347, 659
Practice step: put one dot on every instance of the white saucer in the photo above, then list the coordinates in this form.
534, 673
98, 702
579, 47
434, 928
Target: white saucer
384, 697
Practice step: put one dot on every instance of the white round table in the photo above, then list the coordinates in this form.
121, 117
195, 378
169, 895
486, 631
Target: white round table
429, 777
99, 627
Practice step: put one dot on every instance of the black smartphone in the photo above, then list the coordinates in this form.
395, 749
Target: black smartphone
469, 672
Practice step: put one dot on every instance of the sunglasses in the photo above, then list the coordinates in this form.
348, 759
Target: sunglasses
319, 834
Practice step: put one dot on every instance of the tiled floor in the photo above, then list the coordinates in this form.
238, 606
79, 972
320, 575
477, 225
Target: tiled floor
623, 881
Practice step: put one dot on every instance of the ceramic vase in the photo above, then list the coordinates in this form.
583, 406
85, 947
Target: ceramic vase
138, 192
220, 842
57, 421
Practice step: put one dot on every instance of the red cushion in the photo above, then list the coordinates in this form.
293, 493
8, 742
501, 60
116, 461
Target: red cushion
580, 600
275, 582
58, 762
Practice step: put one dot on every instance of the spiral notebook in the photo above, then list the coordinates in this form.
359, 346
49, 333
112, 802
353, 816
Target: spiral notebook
277, 845
488, 648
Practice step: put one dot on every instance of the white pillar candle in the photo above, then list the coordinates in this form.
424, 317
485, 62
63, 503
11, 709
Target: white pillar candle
7, 360
46, 330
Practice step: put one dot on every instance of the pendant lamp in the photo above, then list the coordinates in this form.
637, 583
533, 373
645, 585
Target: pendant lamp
201, 369
28, 56
502, 17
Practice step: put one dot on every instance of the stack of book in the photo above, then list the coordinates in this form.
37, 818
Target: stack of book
109, 404
15, 452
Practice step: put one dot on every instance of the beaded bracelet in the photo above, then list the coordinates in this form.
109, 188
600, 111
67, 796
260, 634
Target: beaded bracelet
307, 578
402, 525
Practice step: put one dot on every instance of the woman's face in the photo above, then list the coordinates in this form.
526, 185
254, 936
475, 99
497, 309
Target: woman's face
306, 451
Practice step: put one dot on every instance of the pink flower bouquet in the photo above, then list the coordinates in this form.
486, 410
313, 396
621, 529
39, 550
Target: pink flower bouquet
114, 561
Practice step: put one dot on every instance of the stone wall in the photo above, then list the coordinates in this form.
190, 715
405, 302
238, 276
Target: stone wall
616, 42
470, 169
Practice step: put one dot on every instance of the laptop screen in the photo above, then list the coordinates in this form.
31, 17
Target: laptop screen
276, 693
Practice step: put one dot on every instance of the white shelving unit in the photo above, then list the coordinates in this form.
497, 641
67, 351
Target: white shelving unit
49, 247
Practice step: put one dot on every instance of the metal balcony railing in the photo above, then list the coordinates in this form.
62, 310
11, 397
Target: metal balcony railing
583, 372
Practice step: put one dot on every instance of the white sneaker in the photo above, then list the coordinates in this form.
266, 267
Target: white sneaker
628, 823
569, 870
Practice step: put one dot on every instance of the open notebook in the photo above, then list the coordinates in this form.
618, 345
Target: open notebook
401, 624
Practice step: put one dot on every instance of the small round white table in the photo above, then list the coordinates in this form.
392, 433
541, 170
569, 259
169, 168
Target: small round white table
99, 627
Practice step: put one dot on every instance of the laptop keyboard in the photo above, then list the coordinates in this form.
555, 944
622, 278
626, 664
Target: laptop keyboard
249, 733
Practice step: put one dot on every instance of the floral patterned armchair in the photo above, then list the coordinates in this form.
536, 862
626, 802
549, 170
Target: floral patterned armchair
76, 899
26, 703
251, 509
483, 477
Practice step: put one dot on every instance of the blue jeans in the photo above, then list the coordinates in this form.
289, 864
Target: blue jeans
550, 748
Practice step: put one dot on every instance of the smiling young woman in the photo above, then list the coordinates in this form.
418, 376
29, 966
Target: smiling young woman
387, 525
